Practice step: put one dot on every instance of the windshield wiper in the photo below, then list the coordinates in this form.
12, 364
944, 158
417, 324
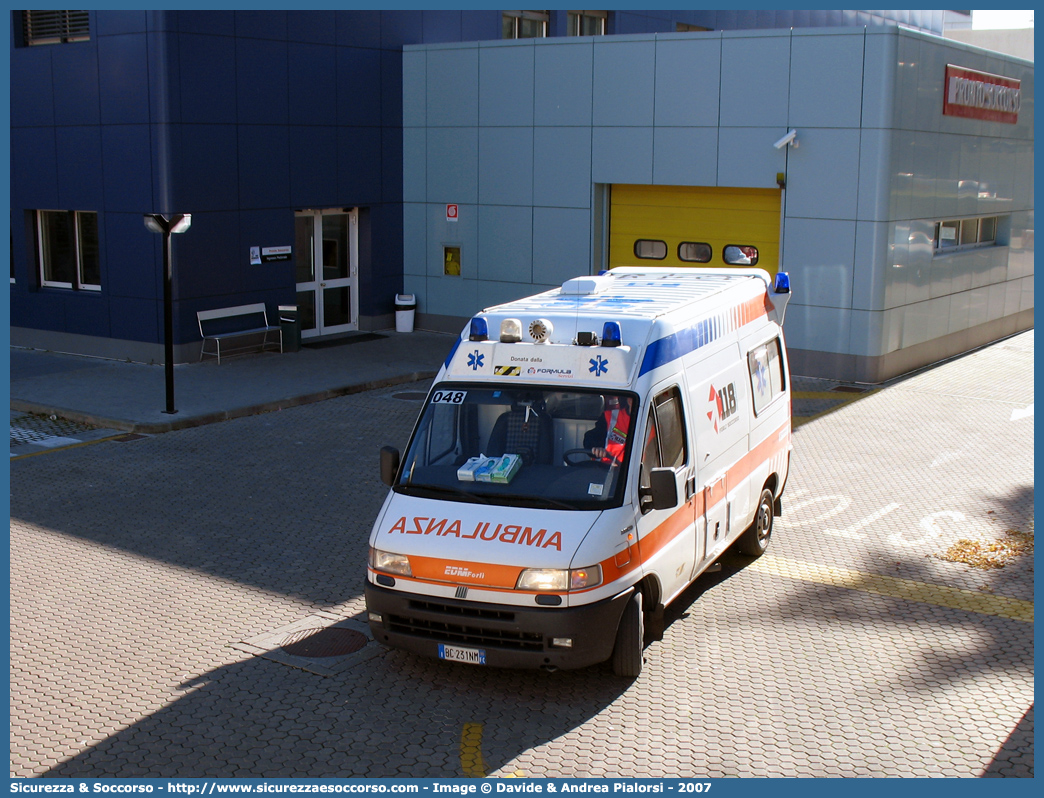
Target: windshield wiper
412, 490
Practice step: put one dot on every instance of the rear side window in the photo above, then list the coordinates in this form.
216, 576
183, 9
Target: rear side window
766, 374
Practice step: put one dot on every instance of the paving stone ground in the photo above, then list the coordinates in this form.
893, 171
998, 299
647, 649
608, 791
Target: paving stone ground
137, 566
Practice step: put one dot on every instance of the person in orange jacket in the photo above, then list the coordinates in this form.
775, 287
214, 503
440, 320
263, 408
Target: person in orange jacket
608, 438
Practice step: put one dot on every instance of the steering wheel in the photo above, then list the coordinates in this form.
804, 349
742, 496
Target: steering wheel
569, 457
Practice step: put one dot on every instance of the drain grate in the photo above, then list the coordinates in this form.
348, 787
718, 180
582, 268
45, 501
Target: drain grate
41, 430
848, 389
328, 642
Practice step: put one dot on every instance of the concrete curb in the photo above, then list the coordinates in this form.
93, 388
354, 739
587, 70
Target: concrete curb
188, 422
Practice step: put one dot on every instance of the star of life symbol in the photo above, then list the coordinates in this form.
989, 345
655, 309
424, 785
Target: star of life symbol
761, 375
599, 366
475, 360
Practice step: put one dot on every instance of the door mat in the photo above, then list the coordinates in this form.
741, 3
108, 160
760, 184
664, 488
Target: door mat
350, 339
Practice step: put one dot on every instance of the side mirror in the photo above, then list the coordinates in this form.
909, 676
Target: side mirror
389, 464
662, 493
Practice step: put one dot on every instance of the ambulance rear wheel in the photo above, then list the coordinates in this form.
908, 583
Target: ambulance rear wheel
756, 539
630, 639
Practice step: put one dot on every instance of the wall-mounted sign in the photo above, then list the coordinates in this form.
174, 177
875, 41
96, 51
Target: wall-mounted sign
273, 254
451, 213
980, 95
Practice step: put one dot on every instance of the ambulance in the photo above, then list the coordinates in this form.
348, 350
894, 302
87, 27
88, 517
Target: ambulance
582, 456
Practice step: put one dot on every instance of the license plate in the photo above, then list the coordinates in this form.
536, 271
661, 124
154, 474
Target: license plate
472, 656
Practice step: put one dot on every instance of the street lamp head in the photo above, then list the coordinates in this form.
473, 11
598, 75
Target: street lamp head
180, 222
158, 223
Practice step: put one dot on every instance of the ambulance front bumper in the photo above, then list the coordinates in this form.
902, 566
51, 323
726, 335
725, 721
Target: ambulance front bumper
508, 636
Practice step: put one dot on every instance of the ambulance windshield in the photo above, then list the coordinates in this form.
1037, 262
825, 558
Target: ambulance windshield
521, 445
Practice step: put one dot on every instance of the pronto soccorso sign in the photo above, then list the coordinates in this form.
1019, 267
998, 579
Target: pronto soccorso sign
980, 95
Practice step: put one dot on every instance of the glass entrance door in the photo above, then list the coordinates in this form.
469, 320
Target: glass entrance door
327, 258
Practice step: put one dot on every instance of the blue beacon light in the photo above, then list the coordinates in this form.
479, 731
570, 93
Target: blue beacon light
782, 285
479, 330
611, 334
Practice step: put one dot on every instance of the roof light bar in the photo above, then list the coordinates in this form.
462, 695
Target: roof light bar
510, 331
479, 330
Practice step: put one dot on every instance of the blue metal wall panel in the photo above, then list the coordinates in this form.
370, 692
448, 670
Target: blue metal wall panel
112, 23
359, 92
313, 27
837, 102
207, 79
441, 26
32, 87
505, 245
79, 154
123, 85
127, 162
76, 94
261, 25
567, 101
505, 166
264, 166
562, 172
262, 83
312, 79
453, 87
206, 168
505, 85
128, 246
313, 172
360, 164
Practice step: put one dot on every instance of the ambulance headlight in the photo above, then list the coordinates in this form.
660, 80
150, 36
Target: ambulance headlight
390, 563
559, 579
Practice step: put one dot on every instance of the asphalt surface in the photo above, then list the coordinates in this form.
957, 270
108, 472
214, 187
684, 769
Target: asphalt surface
163, 584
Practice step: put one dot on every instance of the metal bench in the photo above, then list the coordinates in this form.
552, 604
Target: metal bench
223, 325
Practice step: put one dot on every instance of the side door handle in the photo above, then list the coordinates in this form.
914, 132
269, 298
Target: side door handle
690, 487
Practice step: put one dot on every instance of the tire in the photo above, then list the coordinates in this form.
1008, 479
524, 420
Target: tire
756, 538
630, 639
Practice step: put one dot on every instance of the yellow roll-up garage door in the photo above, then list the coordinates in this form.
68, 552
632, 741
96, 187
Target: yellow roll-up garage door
694, 226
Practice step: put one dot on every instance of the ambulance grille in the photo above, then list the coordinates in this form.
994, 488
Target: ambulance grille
457, 630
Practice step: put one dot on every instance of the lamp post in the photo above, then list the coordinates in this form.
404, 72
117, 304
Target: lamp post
177, 223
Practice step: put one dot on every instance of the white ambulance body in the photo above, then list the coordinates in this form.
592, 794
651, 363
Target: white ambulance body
640, 422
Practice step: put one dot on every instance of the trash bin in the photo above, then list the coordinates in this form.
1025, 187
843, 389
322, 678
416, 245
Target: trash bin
290, 325
405, 308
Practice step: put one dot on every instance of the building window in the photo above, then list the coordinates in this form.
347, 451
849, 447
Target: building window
55, 27
67, 249
648, 249
524, 24
955, 235
693, 252
588, 23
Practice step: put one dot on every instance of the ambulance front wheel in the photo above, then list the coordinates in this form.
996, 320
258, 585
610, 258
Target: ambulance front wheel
756, 539
630, 639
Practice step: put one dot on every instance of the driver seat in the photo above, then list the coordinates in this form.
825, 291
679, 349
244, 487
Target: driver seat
532, 438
